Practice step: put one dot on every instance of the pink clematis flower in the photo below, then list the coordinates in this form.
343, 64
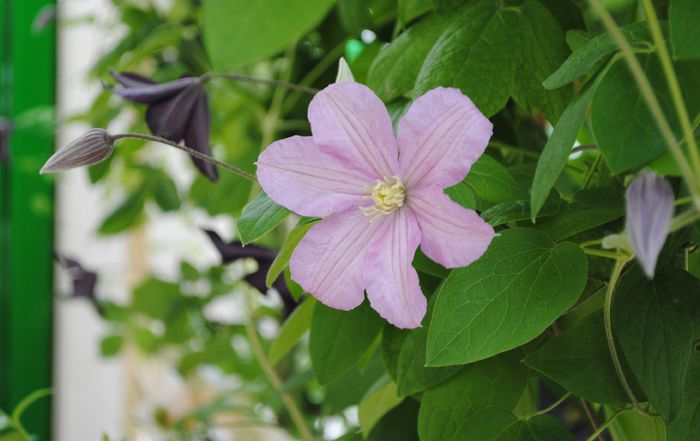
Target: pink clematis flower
380, 196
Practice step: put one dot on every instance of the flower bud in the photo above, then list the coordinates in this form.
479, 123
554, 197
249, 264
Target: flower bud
344, 72
91, 148
649, 215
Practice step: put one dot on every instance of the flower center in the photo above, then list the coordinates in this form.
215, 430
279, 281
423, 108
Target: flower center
388, 195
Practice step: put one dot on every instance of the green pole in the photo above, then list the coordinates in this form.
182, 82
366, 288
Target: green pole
27, 220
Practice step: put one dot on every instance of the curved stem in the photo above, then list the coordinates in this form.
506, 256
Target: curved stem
601, 253
199, 155
274, 380
604, 426
673, 85
648, 95
607, 311
247, 79
551, 407
683, 219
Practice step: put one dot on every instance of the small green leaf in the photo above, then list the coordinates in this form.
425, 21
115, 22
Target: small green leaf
111, 345
397, 425
293, 329
145, 339
155, 298
557, 150
654, 322
492, 182
377, 403
461, 194
516, 290
393, 73
407, 10
125, 216
340, 338
589, 209
163, 189
684, 17
593, 52
686, 426
495, 424
578, 355
498, 381
260, 216
276, 24
282, 259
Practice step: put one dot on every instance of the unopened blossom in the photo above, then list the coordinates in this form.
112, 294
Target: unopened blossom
92, 147
177, 110
649, 215
381, 196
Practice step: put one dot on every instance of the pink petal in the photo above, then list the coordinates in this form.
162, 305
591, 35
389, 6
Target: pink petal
351, 123
440, 137
296, 174
392, 283
328, 261
453, 236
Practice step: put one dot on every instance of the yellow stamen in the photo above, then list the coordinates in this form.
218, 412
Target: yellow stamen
388, 195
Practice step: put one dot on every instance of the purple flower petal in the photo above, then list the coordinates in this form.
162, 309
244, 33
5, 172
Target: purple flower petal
649, 215
142, 90
84, 281
197, 135
169, 118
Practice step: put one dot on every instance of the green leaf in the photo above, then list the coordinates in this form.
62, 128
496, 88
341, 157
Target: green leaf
397, 425
593, 52
461, 194
412, 375
589, 209
407, 10
684, 16
578, 355
163, 189
392, 342
354, 15
624, 129
293, 329
495, 424
653, 321
376, 404
530, 45
340, 338
111, 345
260, 216
349, 389
125, 216
393, 73
155, 298
237, 32
282, 259
516, 290
498, 381
492, 182
145, 339
686, 426
631, 425
557, 150
515, 211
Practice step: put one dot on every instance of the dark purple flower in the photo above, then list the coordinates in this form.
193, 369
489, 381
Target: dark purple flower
232, 251
5, 128
84, 281
649, 214
177, 110
94, 146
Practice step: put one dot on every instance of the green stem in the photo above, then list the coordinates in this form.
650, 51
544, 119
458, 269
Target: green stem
673, 85
683, 219
550, 408
648, 95
604, 426
590, 242
607, 311
192, 152
247, 79
601, 253
276, 383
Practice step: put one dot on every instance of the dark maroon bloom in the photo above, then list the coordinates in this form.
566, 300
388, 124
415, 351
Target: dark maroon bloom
5, 128
232, 251
177, 110
84, 281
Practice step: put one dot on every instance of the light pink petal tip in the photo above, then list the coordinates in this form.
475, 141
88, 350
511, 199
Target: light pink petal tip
350, 122
440, 137
392, 282
296, 174
328, 261
453, 236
